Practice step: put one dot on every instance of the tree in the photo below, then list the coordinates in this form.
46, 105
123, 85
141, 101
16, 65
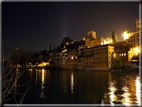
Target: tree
114, 36
65, 40
10, 76
117, 62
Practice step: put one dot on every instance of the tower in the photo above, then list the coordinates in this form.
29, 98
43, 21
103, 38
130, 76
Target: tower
91, 34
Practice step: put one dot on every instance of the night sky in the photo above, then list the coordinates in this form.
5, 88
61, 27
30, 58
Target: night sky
36, 25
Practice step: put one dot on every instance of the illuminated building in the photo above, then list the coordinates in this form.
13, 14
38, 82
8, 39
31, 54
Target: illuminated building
98, 58
72, 60
62, 60
92, 40
133, 37
103, 57
95, 53
125, 56
80, 60
87, 59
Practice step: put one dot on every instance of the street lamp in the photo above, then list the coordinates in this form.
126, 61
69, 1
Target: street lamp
126, 35
137, 51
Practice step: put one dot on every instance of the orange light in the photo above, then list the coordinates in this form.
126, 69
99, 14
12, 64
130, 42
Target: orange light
126, 35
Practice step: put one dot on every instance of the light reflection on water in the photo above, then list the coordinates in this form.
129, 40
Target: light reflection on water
111, 94
81, 87
72, 83
42, 85
138, 91
130, 91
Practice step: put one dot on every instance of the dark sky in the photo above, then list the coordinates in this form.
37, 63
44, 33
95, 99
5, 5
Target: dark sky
34, 25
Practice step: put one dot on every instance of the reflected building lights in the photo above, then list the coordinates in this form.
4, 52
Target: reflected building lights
138, 92
30, 69
112, 95
72, 83
126, 100
42, 78
36, 76
42, 85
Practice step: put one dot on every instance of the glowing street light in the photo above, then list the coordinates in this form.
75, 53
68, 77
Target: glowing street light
137, 51
126, 35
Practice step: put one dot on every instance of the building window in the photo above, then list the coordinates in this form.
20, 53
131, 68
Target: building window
99, 57
99, 62
102, 48
105, 57
119, 54
105, 52
94, 58
99, 52
94, 62
124, 54
84, 62
105, 61
87, 62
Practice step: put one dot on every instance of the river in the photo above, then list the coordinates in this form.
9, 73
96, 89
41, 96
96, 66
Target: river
78, 87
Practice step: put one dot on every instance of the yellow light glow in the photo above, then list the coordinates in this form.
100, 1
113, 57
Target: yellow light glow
111, 40
138, 91
72, 83
43, 64
112, 95
137, 51
126, 35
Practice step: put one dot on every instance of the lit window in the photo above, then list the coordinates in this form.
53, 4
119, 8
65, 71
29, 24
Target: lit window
124, 54
119, 54
72, 57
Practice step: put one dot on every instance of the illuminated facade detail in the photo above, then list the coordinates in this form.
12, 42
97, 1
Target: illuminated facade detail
43, 64
92, 40
72, 60
97, 58
125, 57
126, 35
